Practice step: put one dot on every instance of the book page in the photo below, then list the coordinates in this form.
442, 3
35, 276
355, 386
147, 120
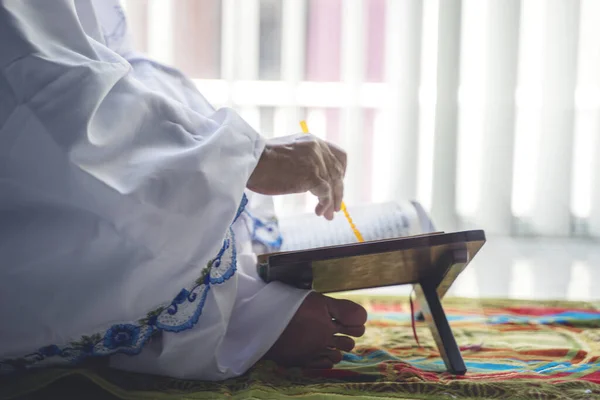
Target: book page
374, 221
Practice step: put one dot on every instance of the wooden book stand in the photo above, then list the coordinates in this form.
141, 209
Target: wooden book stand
429, 262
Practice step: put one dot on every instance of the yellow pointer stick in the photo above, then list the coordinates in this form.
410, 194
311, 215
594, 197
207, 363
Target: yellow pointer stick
344, 209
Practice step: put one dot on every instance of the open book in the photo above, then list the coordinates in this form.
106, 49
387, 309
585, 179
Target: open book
374, 221
401, 246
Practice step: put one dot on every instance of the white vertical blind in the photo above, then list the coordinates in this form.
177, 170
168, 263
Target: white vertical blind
443, 199
494, 209
595, 192
488, 82
489, 109
551, 214
293, 51
472, 105
352, 71
247, 17
528, 100
247, 52
586, 174
160, 30
228, 45
401, 124
427, 101
137, 12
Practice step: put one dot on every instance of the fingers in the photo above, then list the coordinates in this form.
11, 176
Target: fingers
338, 195
330, 198
330, 166
301, 163
319, 209
322, 180
340, 155
323, 193
329, 213
336, 158
325, 210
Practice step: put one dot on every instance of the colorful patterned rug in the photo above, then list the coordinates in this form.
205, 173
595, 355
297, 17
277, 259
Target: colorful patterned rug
513, 350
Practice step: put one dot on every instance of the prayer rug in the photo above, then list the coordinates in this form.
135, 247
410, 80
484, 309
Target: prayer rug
512, 349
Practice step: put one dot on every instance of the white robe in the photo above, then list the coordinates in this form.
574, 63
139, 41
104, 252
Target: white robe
119, 185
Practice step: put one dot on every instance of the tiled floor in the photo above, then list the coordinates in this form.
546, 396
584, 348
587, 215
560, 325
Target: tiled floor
560, 269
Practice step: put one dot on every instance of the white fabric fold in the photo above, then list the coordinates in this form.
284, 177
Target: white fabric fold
118, 185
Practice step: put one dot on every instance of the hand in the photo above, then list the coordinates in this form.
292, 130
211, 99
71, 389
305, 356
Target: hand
302, 163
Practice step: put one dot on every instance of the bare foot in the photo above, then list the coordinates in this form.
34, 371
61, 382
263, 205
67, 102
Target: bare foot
310, 338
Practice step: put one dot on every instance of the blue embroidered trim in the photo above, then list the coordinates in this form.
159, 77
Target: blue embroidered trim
242, 207
130, 338
194, 318
270, 226
121, 335
229, 272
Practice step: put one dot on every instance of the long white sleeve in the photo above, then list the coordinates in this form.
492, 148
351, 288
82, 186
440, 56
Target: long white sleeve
112, 197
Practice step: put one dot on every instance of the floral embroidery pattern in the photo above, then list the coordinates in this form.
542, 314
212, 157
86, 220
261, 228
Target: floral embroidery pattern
129, 338
123, 335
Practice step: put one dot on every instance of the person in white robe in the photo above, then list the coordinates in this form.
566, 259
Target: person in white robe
125, 232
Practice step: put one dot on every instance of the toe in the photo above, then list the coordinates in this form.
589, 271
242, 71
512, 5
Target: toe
320, 363
343, 343
346, 312
334, 355
354, 331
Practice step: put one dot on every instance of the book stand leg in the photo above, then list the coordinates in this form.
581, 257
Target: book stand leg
428, 295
